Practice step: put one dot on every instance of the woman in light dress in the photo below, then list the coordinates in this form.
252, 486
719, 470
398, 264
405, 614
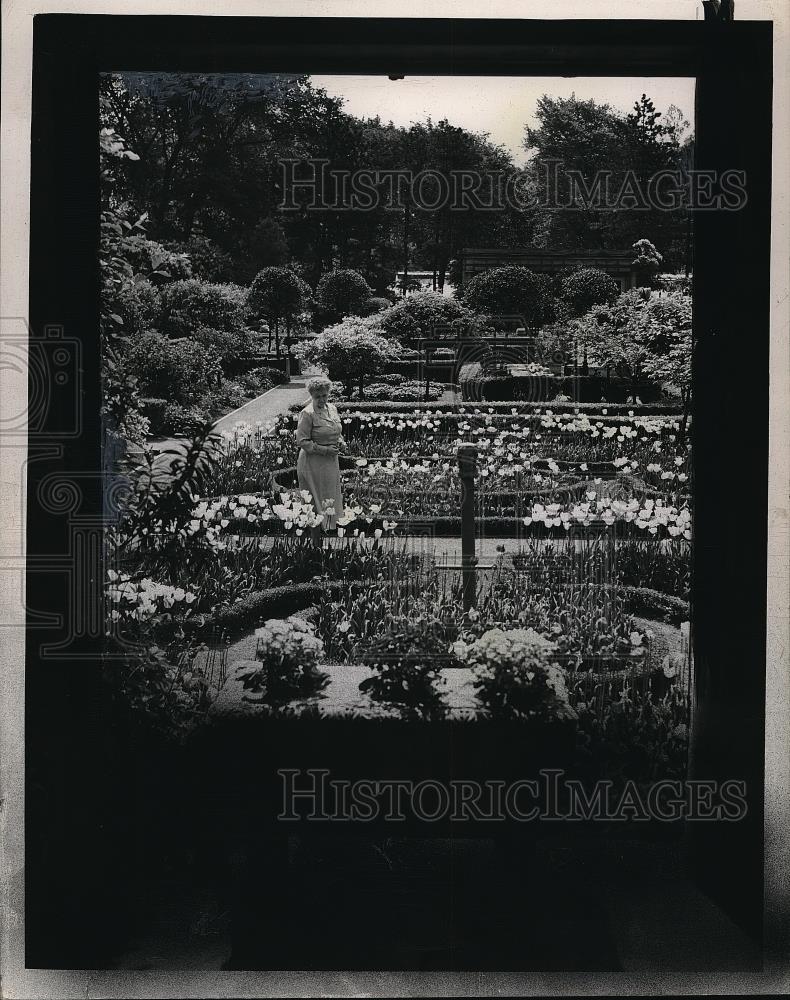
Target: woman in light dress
320, 441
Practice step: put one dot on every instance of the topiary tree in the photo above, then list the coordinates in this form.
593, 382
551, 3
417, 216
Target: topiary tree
425, 314
647, 260
351, 351
511, 290
277, 295
342, 293
585, 288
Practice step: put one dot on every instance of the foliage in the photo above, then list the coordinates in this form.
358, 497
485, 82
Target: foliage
637, 736
641, 334
675, 283
289, 651
425, 314
511, 290
186, 306
352, 351
406, 661
208, 260
139, 305
342, 292
588, 287
181, 420
122, 414
183, 371
158, 263
394, 388
277, 294
375, 304
646, 255
267, 374
515, 674
586, 157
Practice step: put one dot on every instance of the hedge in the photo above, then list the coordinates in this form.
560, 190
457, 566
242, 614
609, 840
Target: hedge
448, 527
260, 605
544, 388
654, 604
439, 371
504, 407
278, 602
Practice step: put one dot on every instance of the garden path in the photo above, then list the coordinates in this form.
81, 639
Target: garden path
264, 408
268, 406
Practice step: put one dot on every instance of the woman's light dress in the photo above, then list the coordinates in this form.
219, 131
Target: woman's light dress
320, 474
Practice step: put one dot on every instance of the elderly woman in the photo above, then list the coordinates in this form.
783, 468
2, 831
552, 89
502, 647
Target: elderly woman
319, 441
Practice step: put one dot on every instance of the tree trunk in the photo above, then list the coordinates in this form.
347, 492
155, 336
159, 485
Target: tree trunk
288, 349
405, 248
361, 387
686, 397
442, 276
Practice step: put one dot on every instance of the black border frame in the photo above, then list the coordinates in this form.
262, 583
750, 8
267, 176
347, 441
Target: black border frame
66, 785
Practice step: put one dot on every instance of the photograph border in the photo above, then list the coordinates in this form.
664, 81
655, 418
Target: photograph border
732, 302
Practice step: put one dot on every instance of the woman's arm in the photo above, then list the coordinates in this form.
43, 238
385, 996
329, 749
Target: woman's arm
304, 431
341, 441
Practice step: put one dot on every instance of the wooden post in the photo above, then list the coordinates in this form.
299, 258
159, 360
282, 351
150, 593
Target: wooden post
467, 466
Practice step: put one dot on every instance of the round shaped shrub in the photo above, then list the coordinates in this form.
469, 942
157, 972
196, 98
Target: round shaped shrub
588, 287
425, 314
342, 293
516, 675
276, 293
510, 291
289, 652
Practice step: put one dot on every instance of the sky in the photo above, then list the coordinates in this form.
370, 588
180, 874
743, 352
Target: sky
499, 105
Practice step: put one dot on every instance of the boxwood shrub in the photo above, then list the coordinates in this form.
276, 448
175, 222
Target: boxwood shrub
260, 605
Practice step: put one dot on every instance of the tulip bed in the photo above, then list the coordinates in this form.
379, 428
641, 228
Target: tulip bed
584, 599
541, 468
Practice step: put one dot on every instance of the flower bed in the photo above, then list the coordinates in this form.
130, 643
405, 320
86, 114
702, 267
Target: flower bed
650, 446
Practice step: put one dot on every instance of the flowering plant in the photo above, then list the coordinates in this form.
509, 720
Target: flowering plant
407, 660
515, 674
143, 599
289, 651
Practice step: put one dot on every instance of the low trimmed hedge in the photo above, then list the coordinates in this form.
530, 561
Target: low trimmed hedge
448, 527
279, 602
440, 371
261, 605
504, 407
543, 388
655, 605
